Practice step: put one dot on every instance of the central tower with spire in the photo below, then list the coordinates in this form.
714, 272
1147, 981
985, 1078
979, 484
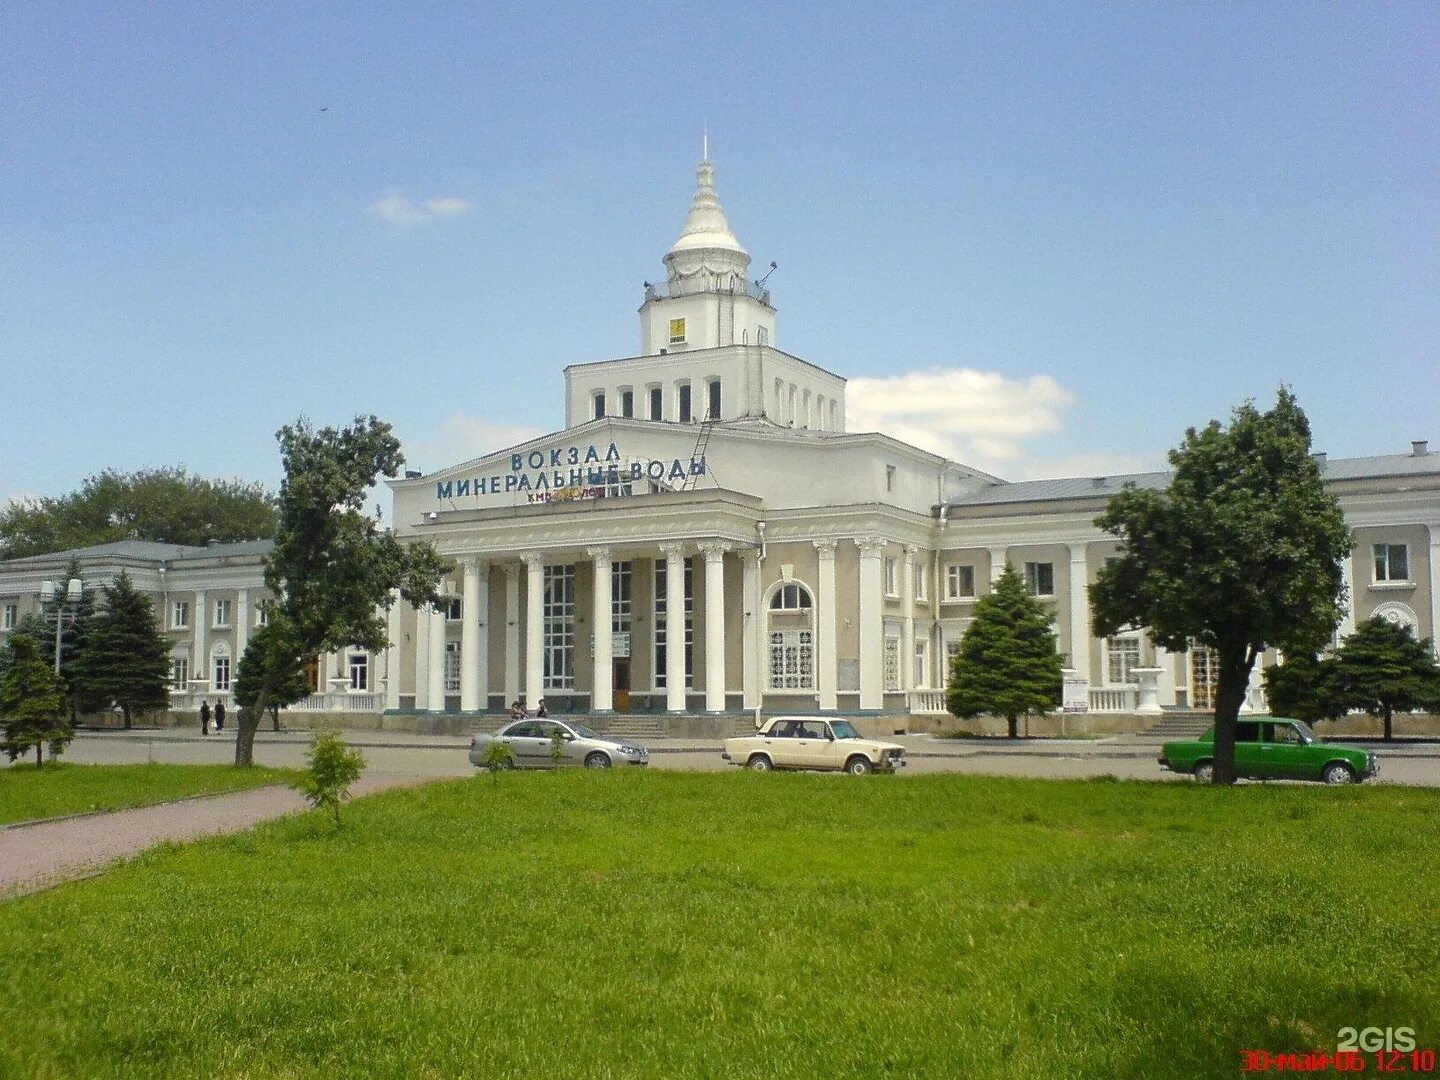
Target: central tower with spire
706, 300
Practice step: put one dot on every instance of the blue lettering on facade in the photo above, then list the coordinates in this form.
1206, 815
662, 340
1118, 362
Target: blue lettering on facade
536, 459
442, 489
516, 462
612, 454
462, 488
591, 454
677, 471
555, 459
697, 466
590, 473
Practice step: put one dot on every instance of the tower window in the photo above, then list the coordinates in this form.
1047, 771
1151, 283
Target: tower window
684, 403
677, 331
714, 399
599, 404
657, 403
627, 403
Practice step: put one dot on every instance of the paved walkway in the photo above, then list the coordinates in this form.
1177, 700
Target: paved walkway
34, 857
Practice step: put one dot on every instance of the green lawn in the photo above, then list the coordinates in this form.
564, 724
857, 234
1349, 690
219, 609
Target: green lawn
737, 925
27, 793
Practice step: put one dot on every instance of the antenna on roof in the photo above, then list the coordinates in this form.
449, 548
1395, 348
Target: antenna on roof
773, 267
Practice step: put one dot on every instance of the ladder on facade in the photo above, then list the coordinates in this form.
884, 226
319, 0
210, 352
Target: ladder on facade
706, 425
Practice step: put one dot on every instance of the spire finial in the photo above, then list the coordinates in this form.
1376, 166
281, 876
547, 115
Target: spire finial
705, 143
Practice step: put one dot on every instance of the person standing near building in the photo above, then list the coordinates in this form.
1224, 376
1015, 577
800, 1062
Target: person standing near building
219, 715
204, 717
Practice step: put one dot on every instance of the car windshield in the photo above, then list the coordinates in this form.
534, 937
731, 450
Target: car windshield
1307, 733
843, 729
583, 731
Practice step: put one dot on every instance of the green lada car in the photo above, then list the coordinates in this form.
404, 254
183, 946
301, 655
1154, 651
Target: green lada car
1272, 748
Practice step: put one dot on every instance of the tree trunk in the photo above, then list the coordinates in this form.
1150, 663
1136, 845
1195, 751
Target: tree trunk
1013, 733
1235, 664
39, 755
125, 711
1389, 714
247, 722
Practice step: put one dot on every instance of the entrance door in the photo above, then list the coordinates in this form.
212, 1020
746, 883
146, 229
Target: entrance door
1204, 677
620, 683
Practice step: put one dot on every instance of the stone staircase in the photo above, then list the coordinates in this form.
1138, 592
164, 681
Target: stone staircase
1182, 725
637, 726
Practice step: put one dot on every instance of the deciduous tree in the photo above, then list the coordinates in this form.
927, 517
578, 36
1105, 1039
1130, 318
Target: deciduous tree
333, 570
1383, 669
152, 504
1007, 664
125, 660
31, 707
1241, 552
269, 650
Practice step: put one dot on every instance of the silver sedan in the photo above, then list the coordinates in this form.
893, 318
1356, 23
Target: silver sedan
543, 744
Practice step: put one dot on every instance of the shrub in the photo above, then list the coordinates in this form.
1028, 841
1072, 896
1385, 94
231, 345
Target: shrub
333, 768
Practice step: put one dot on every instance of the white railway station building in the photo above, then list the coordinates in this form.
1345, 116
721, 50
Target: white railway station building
705, 535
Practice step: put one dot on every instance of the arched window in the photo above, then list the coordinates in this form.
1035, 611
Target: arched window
791, 615
790, 597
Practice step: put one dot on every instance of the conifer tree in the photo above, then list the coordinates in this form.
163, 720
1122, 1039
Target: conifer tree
1383, 669
268, 650
1007, 664
31, 708
126, 660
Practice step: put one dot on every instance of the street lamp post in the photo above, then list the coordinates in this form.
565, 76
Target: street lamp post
59, 595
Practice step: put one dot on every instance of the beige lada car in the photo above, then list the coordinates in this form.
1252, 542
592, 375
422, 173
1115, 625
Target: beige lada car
807, 742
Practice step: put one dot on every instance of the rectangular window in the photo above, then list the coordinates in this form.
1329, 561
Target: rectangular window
222, 674
657, 403
452, 667
922, 662
599, 404
714, 399
892, 664
959, 582
620, 597
684, 403
1392, 562
11, 617
558, 608
180, 615
262, 613
222, 613
792, 660
454, 608
627, 403
179, 673
1040, 578
677, 331
889, 477
920, 581
662, 629
359, 671
1123, 656
891, 577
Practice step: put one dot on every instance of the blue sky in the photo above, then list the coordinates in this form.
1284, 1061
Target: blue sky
1083, 227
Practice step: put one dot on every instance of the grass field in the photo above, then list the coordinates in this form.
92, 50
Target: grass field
27, 793
735, 925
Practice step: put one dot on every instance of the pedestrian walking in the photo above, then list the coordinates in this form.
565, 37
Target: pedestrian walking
219, 715
204, 717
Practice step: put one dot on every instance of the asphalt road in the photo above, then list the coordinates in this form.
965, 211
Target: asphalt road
400, 754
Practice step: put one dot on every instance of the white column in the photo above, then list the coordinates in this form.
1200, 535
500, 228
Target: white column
714, 626
201, 667
907, 613
1079, 613
470, 642
422, 659
997, 563
242, 625
752, 664
512, 632
436, 619
602, 695
534, 629
1434, 587
1347, 606
674, 627
1165, 661
825, 614
392, 654
872, 624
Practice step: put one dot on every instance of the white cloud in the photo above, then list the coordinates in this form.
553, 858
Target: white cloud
461, 438
980, 418
398, 210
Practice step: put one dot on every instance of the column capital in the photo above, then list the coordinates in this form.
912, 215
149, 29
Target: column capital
870, 547
533, 560
910, 551
672, 550
598, 554
826, 549
713, 550
1077, 551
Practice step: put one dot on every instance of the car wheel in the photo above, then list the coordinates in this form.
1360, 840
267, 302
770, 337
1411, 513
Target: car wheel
759, 763
1204, 770
597, 759
859, 766
1337, 772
